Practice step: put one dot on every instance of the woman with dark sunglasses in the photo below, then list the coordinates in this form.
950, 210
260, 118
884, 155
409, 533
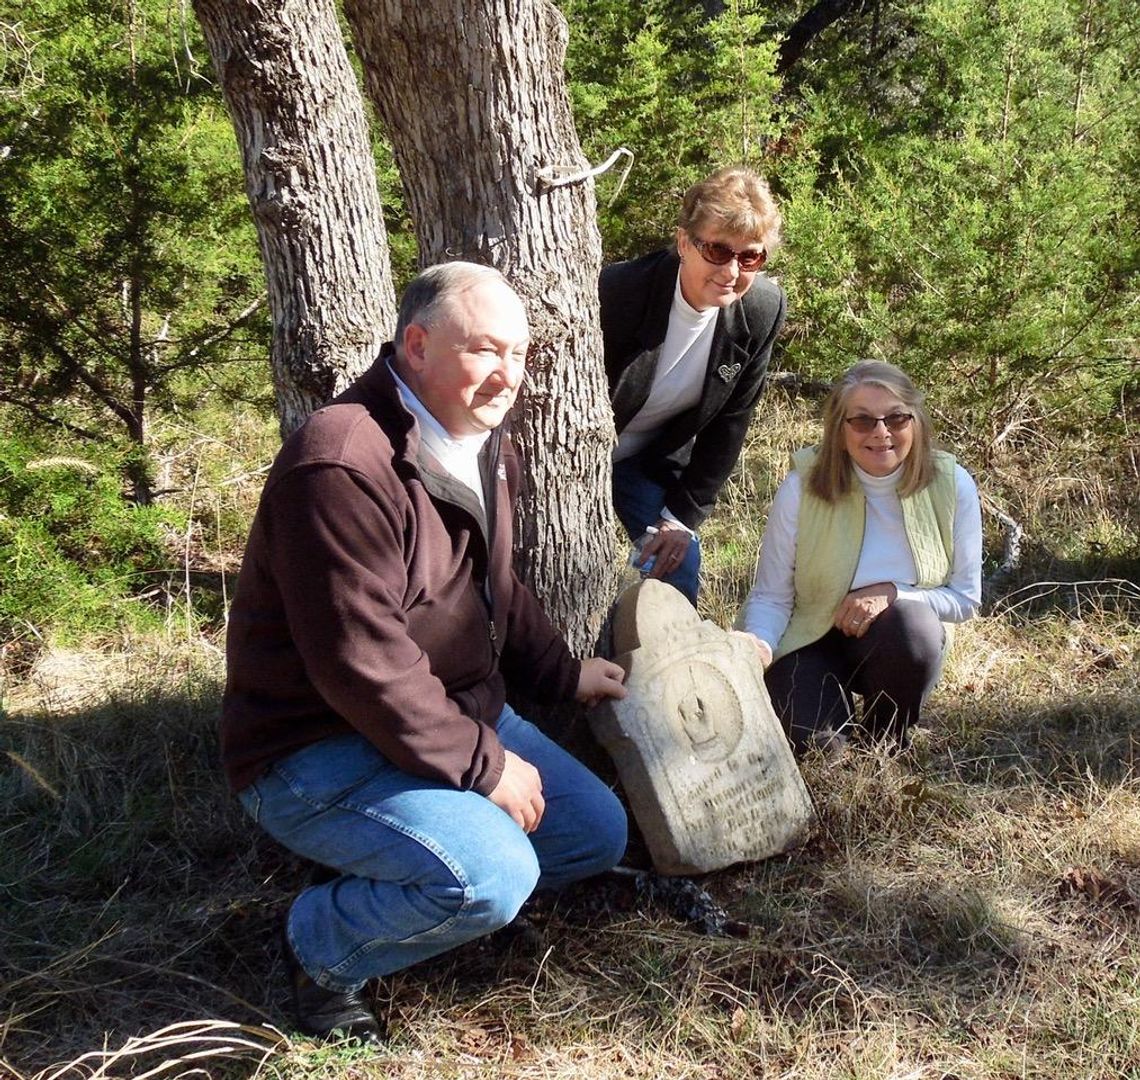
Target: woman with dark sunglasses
688, 335
872, 551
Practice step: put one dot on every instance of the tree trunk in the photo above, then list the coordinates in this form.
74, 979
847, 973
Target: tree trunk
311, 182
473, 96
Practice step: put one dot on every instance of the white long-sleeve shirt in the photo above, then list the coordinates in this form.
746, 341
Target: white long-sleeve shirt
677, 380
885, 555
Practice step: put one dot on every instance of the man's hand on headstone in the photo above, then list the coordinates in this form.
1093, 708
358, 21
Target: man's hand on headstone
519, 792
763, 649
599, 679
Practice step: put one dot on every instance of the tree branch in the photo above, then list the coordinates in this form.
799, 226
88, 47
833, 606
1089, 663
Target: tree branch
224, 332
1011, 548
97, 387
797, 386
808, 27
47, 418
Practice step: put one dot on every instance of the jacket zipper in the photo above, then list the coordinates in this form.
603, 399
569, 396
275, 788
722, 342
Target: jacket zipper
492, 500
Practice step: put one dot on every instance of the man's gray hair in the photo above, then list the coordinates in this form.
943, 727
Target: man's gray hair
428, 294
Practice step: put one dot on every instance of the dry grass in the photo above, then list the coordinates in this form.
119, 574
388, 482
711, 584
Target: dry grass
968, 910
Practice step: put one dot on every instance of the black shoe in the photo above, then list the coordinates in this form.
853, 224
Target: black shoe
832, 744
520, 936
322, 1012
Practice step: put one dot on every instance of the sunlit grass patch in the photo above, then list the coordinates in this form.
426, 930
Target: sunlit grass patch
966, 909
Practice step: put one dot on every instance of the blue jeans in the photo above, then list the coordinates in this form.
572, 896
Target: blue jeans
638, 501
424, 866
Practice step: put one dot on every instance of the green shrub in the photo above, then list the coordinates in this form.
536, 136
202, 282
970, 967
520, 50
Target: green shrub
75, 557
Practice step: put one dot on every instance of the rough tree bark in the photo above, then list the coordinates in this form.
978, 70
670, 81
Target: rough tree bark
473, 96
299, 117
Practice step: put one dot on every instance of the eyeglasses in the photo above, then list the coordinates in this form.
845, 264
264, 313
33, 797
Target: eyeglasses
895, 421
721, 254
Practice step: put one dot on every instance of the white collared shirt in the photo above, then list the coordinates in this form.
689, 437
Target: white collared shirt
459, 455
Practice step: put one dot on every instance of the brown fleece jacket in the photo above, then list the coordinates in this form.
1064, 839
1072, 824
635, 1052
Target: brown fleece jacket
371, 598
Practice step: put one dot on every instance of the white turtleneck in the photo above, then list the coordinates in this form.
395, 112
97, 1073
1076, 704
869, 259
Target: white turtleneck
679, 376
885, 555
459, 455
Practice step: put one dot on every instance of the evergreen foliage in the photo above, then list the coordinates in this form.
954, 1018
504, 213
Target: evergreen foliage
685, 93
132, 274
975, 226
71, 549
957, 178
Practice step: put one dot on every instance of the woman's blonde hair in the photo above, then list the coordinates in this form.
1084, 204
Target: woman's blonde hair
833, 475
735, 201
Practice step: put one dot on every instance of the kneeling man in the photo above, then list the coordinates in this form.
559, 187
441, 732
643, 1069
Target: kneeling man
375, 622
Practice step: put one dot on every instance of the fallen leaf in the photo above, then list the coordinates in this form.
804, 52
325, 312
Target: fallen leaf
1093, 884
472, 1036
736, 1025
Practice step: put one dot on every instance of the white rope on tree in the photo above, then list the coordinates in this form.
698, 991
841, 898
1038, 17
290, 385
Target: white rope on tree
556, 176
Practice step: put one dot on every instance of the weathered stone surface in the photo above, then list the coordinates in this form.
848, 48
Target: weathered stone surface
704, 762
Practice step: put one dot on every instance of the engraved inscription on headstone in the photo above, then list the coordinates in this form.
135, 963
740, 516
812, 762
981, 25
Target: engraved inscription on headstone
704, 762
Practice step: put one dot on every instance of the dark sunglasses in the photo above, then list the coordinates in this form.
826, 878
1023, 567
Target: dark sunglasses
895, 421
721, 254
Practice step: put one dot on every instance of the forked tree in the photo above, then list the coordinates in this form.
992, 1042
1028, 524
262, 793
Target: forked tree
299, 118
473, 97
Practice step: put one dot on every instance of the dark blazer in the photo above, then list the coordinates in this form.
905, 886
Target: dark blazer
697, 449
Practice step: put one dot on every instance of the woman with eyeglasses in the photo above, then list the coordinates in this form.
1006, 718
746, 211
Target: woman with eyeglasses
872, 549
688, 333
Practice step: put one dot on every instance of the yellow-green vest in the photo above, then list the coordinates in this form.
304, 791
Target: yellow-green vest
829, 540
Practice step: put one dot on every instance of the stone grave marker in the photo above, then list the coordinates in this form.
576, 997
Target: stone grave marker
703, 759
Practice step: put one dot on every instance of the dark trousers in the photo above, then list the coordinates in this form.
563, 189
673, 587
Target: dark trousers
893, 667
